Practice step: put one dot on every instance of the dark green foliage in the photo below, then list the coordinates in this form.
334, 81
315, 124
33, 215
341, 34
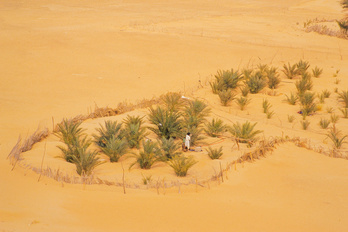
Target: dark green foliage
343, 95
245, 132
149, 155
290, 71
181, 164
324, 123
115, 148
308, 106
71, 149
111, 128
172, 102
242, 102
195, 113
256, 82
169, 148
214, 153
273, 78
86, 161
245, 90
335, 136
302, 67
292, 99
317, 71
225, 80
226, 97
167, 124
134, 133
304, 84
215, 128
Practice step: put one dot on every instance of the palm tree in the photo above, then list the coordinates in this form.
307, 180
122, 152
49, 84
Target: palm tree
115, 148
344, 97
256, 82
112, 128
244, 133
133, 131
169, 148
181, 164
335, 137
148, 156
69, 131
215, 128
172, 102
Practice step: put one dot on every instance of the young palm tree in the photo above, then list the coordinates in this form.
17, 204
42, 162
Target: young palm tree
133, 131
242, 102
72, 148
215, 128
324, 123
149, 155
273, 79
169, 148
181, 164
308, 106
245, 132
112, 128
214, 153
304, 84
86, 161
115, 148
290, 71
226, 96
245, 90
292, 99
196, 134
317, 72
225, 80
69, 131
343, 95
256, 82
172, 102
335, 136
302, 66
166, 124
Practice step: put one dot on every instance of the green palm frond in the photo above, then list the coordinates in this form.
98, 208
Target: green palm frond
115, 148
181, 164
245, 132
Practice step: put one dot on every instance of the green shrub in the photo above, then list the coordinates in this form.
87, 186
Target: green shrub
256, 82
214, 153
195, 113
226, 97
225, 80
266, 105
215, 128
86, 161
324, 123
149, 155
292, 99
334, 118
69, 131
308, 106
336, 138
317, 72
112, 128
344, 112
304, 84
269, 114
305, 124
245, 90
181, 164
115, 148
326, 93
290, 71
71, 149
244, 133
166, 124
134, 133
273, 78
343, 95
169, 148
242, 102
302, 66
172, 102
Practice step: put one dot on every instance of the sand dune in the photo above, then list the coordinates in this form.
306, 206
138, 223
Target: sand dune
60, 59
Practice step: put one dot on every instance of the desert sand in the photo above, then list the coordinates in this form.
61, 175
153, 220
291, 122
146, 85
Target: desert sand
60, 59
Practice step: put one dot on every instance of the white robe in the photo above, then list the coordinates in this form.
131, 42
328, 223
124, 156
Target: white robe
187, 141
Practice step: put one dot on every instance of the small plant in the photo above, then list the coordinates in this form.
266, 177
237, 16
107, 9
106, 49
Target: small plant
324, 123
273, 78
304, 84
242, 102
149, 155
173, 102
244, 133
336, 73
69, 131
292, 99
269, 114
343, 96
86, 161
147, 179
337, 81
344, 112
302, 66
326, 93
115, 148
291, 118
226, 97
334, 118
111, 128
214, 153
343, 24
308, 105
215, 128
169, 148
336, 138
266, 105
181, 164
225, 80
256, 82
317, 72
329, 109
134, 133
290, 71
245, 90
305, 124
321, 98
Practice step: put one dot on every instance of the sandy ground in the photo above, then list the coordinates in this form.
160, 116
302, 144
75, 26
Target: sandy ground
60, 59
